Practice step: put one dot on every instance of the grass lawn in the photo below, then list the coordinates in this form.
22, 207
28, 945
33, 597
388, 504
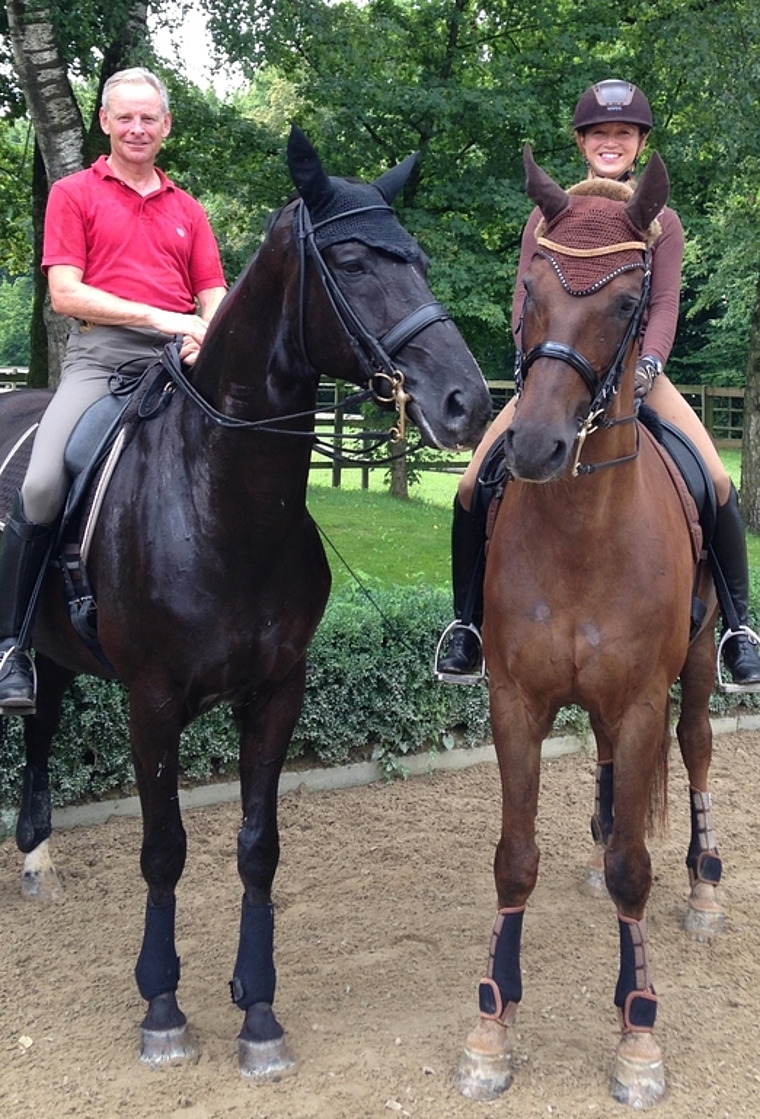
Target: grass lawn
407, 542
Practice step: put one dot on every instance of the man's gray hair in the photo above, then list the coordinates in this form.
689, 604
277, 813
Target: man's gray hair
136, 75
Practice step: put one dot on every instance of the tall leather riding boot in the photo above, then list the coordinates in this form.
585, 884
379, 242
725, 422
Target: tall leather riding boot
468, 540
23, 549
729, 552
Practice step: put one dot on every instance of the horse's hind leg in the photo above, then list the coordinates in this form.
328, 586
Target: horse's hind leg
155, 732
704, 916
601, 827
40, 881
266, 725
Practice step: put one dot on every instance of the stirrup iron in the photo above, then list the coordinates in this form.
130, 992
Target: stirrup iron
725, 686
476, 677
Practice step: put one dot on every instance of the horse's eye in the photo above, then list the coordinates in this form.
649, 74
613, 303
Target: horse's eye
627, 307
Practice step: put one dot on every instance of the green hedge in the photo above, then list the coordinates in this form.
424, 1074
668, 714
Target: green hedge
369, 693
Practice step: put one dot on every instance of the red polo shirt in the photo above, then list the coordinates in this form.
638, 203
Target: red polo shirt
158, 249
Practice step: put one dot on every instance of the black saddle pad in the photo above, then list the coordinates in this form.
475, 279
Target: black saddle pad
695, 473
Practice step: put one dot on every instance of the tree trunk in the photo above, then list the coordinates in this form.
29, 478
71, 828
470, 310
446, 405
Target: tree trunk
750, 488
42, 73
62, 141
399, 478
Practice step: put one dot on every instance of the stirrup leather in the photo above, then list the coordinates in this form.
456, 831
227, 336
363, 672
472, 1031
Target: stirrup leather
725, 686
476, 677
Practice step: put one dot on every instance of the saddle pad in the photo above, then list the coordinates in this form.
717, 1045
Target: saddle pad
694, 472
688, 504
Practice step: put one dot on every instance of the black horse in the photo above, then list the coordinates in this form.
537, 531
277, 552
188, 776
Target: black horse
208, 571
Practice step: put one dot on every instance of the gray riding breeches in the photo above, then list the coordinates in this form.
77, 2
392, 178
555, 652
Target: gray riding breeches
93, 353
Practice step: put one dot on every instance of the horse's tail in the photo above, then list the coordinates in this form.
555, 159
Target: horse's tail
657, 811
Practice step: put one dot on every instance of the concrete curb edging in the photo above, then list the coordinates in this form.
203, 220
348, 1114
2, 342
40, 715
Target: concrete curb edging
348, 776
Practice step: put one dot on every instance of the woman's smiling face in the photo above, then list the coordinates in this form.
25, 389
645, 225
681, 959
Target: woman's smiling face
611, 149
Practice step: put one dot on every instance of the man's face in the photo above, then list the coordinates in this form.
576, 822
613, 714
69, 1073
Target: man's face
135, 123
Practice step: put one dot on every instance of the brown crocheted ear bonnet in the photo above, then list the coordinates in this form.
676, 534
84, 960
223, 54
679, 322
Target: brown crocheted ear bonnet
593, 240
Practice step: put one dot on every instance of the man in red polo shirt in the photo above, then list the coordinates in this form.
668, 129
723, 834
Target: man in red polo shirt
132, 259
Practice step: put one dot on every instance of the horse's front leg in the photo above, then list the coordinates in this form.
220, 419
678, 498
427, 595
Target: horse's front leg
266, 725
485, 1069
155, 731
40, 880
704, 916
640, 772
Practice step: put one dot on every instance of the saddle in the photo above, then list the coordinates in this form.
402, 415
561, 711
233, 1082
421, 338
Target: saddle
91, 457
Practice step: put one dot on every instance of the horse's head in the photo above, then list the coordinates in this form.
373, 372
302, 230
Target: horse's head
586, 290
369, 315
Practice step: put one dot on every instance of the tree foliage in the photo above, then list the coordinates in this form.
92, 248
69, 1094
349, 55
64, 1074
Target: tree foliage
466, 84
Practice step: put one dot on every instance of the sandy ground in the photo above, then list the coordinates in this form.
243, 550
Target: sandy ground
384, 904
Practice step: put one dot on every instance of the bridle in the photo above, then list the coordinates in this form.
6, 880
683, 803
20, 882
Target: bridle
374, 354
384, 379
603, 389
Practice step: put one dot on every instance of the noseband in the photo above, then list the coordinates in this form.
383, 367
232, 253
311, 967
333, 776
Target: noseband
373, 354
602, 389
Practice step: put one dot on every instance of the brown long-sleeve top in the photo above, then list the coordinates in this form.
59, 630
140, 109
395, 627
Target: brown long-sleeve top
662, 316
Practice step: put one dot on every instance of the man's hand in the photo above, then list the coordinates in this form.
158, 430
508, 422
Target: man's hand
189, 350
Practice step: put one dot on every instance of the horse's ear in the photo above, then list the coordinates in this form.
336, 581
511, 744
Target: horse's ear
391, 182
651, 193
550, 198
306, 171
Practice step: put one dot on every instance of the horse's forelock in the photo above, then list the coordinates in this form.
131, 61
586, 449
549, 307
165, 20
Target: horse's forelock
603, 188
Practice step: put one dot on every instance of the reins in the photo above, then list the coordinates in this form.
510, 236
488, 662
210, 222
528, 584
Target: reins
178, 379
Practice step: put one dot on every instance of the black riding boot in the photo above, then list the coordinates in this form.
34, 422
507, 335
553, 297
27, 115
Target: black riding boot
23, 550
729, 552
464, 655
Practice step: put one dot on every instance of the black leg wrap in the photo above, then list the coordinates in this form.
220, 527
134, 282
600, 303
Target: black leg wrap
601, 821
254, 978
502, 987
34, 818
157, 970
635, 995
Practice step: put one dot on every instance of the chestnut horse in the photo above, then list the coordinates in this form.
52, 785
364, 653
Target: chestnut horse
209, 573
588, 595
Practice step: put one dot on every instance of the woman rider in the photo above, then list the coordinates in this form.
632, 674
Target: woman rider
612, 122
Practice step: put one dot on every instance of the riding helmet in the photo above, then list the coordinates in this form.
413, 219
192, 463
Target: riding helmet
612, 100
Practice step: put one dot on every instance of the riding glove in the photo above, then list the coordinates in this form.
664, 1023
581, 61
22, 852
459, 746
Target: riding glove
647, 369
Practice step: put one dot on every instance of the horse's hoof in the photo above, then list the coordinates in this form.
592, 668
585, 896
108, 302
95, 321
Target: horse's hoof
703, 925
638, 1077
704, 918
485, 1068
40, 881
159, 1047
41, 886
265, 1060
594, 885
